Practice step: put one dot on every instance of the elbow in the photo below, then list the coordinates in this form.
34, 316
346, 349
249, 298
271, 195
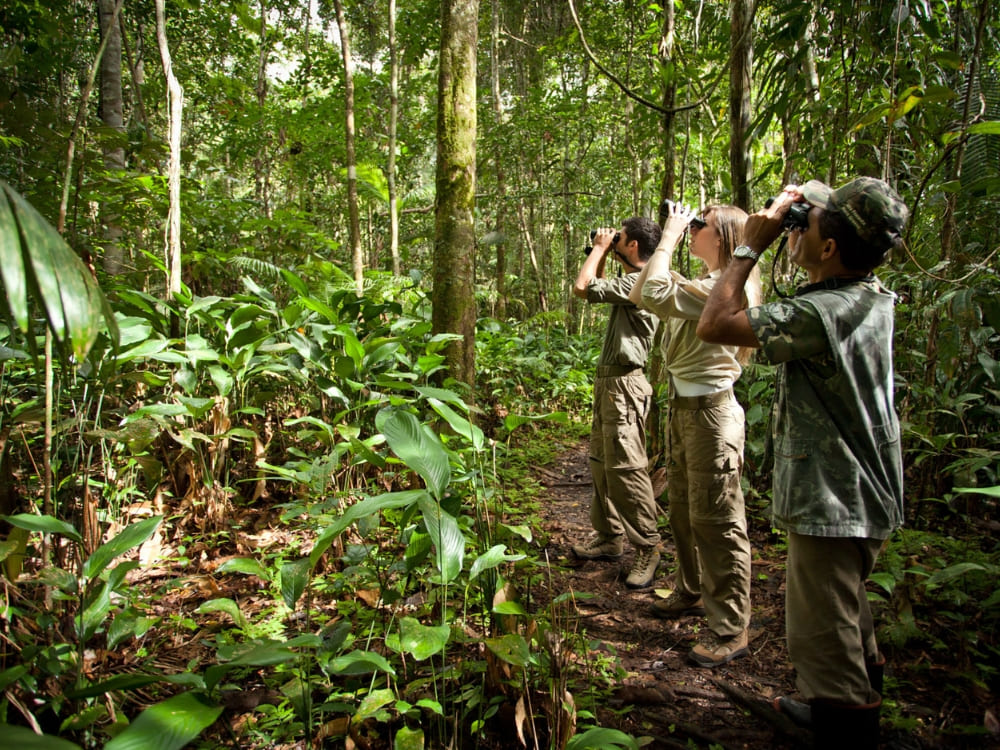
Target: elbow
706, 330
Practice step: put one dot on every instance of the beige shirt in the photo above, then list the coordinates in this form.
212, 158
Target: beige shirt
678, 301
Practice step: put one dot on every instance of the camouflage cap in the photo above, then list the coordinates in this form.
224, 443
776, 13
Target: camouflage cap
874, 209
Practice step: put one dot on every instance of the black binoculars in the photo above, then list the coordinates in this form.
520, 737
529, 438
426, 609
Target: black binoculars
593, 233
797, 216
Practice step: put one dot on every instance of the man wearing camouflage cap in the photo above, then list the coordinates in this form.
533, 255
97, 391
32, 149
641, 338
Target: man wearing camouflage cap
838, 480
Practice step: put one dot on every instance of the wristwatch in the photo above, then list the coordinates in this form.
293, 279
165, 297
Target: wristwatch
745, 251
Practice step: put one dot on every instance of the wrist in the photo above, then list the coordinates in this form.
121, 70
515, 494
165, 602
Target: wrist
745, 252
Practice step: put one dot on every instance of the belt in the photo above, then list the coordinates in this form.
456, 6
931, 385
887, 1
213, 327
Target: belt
614, 371
702, 402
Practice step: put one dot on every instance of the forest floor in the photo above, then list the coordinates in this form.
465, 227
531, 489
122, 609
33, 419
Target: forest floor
656, 695
667, 699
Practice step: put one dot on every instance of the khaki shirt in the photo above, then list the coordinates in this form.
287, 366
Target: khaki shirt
629, 335
679, 301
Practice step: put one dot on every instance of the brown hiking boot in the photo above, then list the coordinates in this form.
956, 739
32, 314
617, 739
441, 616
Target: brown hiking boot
643, 568
677, 605
715, 650
599, 548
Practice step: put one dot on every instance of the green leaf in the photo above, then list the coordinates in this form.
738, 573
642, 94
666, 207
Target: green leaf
601, 738
24, 739
417, 447
989, 491
511, 648
49, 268
121, 682
509, 608
372, 702
294, 579
988, 128
223, 604
449, 542
361, 662
245, 565
12, 271
168, 725
886, 580
423, 641
44, 524
462, 425
131, 536
263, 654
408, 739
366, 507
490, 559
95, 614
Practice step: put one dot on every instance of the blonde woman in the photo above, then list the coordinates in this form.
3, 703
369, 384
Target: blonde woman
705, 434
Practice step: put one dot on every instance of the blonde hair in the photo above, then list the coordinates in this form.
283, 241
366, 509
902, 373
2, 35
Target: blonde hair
729, 223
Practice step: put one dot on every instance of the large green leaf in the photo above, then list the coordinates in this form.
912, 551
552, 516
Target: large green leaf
24, 739
417, 447
366, 507
449, 542
169, 725
423, 641
601, 738
294, 579
36, 261
45, 524
131, 536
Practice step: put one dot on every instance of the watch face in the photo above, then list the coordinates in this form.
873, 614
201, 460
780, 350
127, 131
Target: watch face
743, 251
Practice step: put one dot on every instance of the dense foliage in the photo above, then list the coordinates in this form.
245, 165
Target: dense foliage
272, 431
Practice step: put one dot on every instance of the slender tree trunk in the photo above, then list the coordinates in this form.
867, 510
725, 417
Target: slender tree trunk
81, 114
453, 299
261, 162
175, 109
668, 122
741, 43
352, 168
501, 196
393, 118
111, 112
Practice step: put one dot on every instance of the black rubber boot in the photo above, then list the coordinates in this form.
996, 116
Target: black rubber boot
837, 726
876, 673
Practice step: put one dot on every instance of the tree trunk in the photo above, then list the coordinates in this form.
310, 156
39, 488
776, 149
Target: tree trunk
393, 119
261, 162
501, 196
453, 299
667, 185
175, 96
111, 112
352, 169
741, 42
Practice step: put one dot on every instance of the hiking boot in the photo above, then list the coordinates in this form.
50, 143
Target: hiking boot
600, 548
643, 568
677, 605
714, 650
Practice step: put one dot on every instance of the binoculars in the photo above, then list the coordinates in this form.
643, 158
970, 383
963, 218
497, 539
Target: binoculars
796, 218
593, 233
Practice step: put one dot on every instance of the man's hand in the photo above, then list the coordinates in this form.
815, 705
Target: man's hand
602, 240
762, 228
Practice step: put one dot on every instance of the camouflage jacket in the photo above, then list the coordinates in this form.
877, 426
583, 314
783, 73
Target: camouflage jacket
837, 458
